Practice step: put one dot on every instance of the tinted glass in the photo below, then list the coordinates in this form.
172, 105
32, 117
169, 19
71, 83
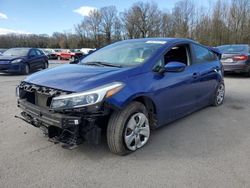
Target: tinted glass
203, 55
16, 52
32, 53
233, 48
125, 53
38, 52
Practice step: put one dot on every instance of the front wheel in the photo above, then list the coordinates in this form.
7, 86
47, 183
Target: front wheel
26, 69
128, 129
219, 95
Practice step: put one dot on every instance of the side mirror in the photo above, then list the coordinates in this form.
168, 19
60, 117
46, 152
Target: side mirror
174, 66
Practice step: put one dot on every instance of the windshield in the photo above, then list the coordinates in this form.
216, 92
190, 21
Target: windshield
129, 53
233, 48
16, 52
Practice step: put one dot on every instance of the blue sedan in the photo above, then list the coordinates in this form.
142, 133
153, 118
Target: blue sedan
126, 89
22, 60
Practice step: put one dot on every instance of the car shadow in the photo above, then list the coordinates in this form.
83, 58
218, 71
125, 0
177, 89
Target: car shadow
236, 75
203, 134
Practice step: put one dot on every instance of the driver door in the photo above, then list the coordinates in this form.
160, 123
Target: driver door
176, 92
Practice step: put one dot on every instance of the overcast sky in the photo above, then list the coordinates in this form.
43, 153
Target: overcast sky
48, 16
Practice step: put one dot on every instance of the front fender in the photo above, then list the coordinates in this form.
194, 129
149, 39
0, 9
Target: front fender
126, 96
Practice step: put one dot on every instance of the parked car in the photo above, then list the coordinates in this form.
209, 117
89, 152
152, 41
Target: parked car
87, 50
126, 89
23, 60
236, 58
58, 52
81, 58
50, 53
70, 54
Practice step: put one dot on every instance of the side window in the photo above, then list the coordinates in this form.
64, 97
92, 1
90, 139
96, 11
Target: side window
38, 52
179, 53
32, 53
203, 55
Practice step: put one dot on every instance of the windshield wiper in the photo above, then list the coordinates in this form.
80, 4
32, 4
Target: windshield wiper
99, 63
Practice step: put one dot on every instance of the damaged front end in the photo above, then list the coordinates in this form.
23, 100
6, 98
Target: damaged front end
68, 120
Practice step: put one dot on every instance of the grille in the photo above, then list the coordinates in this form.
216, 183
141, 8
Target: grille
3, 62
39, 95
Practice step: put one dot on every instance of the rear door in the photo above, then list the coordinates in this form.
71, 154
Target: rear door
33, 59
41, 58
210, 72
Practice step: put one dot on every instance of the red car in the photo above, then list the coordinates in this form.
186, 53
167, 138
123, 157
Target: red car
69, 54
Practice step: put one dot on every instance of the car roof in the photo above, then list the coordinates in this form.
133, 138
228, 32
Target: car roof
234, 45
23, 48
168, 40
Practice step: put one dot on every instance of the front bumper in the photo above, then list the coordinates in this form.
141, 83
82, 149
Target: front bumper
67, 129
46, 118
238, 68
10, 68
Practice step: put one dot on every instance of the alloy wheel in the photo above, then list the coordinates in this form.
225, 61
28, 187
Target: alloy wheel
220, 94
137, 131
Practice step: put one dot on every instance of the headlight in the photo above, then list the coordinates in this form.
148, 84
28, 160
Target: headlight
16, 61
86, 98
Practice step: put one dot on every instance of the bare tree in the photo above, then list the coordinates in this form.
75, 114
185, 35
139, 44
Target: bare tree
142, 20
239, 17
183, 16
108, 20
93, 25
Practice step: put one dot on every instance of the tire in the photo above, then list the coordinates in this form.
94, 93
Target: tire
26, 69
248, 73
46, 65
219, 95
125, 133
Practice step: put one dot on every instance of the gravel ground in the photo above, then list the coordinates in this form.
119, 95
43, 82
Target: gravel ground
209, 148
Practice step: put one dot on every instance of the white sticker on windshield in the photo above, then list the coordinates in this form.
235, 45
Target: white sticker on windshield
156, 42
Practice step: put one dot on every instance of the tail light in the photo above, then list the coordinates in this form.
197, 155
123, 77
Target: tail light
240, 57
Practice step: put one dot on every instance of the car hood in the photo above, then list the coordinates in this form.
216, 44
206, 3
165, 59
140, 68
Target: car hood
76, 78
9, 58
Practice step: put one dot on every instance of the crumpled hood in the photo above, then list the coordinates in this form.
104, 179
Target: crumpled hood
75, 78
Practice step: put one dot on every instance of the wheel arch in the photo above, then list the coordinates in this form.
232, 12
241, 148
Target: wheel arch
151, 107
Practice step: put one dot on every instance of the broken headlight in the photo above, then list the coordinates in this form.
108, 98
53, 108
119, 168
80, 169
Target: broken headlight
86, 98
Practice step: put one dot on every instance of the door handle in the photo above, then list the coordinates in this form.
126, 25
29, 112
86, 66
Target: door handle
195, 75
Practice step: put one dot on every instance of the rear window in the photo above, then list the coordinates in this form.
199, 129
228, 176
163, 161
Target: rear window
233, 48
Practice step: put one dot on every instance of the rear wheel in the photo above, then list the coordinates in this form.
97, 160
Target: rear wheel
219, 95
128, 129
248, 73
26, 69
